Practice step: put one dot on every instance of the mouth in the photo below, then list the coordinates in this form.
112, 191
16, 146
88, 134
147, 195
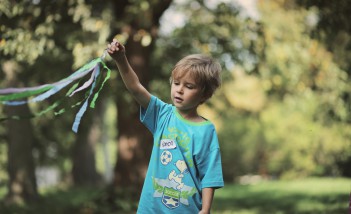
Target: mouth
178, 99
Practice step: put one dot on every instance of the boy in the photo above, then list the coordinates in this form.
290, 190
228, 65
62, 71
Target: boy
185, 165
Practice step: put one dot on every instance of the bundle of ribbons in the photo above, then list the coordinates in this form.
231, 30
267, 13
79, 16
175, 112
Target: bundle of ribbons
22, 96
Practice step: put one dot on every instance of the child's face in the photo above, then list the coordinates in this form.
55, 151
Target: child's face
186, 94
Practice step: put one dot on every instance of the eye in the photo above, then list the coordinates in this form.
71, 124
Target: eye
190, 86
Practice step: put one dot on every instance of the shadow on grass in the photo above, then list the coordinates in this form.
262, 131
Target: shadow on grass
307, 197
74, 201
244, 200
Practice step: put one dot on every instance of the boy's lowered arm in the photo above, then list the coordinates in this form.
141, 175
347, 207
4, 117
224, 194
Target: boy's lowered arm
129, 77
207, 198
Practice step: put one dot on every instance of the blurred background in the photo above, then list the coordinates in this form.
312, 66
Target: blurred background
282, 114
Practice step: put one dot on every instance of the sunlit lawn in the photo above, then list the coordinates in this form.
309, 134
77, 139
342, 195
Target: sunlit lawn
300, 196
314, 195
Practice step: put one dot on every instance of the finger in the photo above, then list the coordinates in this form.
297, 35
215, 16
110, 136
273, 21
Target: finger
113, 48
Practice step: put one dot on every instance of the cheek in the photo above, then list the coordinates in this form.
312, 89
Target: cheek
194, 96
172, 92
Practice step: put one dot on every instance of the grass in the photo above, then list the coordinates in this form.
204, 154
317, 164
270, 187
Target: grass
313, 195
307, 196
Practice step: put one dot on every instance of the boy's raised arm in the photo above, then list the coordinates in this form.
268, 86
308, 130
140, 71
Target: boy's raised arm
130, 79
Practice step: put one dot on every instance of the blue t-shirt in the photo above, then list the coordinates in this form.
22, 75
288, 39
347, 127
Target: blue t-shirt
185, 159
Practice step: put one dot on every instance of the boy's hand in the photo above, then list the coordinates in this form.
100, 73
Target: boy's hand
116, 49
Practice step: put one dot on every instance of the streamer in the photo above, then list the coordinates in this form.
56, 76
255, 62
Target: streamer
25, 95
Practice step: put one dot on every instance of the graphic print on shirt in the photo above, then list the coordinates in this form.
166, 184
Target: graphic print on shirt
166, 157
171, 197
181, 165
174, 138
172, 189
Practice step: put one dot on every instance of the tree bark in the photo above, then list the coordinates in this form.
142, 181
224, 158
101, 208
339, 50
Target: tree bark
84, 170
134, 140
22, 185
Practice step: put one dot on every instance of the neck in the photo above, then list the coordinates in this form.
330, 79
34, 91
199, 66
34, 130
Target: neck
192, 116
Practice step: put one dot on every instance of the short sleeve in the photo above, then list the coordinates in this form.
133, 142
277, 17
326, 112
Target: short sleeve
148, 115
154, 113
208, 161
210, 170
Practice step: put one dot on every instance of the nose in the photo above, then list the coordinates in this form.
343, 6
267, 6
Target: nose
179, 89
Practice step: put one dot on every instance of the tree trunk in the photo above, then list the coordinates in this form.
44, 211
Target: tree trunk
22, 185
134, 140
84, 165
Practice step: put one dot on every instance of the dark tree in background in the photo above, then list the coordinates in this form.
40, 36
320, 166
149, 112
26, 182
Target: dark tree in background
46, 38
140, 23
20, 138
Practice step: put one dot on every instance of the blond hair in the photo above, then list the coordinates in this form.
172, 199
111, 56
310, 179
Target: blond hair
204, 69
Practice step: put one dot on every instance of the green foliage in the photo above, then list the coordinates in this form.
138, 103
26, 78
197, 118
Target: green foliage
21, 37
312, 195
43, 42
282, 109
297, 145
299, 196
75, 200
333, 28
294, 63
307, 103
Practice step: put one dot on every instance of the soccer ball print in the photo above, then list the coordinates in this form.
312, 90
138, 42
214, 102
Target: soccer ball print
166, 157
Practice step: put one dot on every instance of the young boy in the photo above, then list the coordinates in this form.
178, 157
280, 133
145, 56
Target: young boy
185, 165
